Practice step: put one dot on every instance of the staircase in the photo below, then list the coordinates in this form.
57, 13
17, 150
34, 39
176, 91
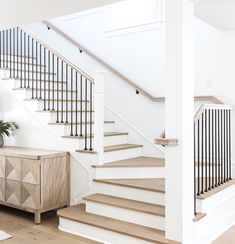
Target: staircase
126, 200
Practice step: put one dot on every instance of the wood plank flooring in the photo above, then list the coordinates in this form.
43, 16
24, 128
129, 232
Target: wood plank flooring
20, 225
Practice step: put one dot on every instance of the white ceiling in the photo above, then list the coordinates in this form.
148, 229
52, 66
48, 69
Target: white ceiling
219, 13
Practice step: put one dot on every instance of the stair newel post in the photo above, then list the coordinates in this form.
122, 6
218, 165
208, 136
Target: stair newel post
99, 115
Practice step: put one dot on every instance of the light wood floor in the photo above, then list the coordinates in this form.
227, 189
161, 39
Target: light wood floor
227, 238
20, 225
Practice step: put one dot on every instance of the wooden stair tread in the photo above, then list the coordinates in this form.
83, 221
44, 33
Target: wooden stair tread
105, 122
30, 71
26, 79
55, 100
114, 148
29, 89
15, 55
106, 134
156, 185
216, 190
199, 216
134, 162
77, 213
64, 111
127, 204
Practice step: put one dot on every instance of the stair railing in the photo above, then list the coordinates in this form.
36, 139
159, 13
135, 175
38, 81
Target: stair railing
65, 90
212, 148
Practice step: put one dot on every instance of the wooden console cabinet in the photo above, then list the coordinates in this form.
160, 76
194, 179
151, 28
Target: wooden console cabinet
34, 180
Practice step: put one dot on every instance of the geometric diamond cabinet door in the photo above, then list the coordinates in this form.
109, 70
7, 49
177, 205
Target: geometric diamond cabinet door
2, 167
13, 192
30, 196
13, 168
30, 171
2, 190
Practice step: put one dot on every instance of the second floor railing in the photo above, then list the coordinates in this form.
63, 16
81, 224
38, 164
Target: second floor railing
212, 148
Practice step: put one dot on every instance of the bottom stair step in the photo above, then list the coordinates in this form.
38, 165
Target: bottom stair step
77, 214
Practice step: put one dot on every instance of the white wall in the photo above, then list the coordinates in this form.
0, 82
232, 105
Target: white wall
16, 13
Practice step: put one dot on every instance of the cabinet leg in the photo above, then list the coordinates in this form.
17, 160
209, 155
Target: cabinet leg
37, 217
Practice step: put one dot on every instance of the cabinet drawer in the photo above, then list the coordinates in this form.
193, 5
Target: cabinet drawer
13, 192
30, 171
13, 168
2, 189
2, 167
30, 196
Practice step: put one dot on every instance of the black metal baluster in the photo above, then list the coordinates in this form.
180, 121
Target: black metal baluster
91, 136
209, 144
17, 51
76, 123
213, 145
57, 102
21, 58
36, 66
198, 158
221, 145
81, 96
53, 84
7, 48
227, 147
49, 80
219, 155
32, 69
25, 85
202, 150
71, 106
224, 146
28, 43
85, 115
194, 171
62, 94
216, 151
206, 176
44, 83
4, 51
40, 75
10, 54
230, 149
67, 81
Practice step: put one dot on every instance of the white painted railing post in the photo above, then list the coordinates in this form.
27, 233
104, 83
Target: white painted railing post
99, 115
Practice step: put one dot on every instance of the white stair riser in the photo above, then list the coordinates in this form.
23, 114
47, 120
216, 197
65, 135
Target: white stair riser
63, 115
130, 173
97, 234
135, 217
108, 141
40, 85
50, 94
130, 193
59, 104
122, 154
108, 127
25, 65
12, 57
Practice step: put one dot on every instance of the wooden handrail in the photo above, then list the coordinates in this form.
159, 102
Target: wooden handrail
81, 72
93, 56
203, 107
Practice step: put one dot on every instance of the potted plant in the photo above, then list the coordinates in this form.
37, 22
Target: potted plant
6, 128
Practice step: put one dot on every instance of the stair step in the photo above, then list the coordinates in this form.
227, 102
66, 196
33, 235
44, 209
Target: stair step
114, 148
127, 204
107, 134
15, 55
23, 63
30, 89
77, 213
155, 185
134, 162
30, 71
26, 79
199, 216
55, 100
105, 122
64, 111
